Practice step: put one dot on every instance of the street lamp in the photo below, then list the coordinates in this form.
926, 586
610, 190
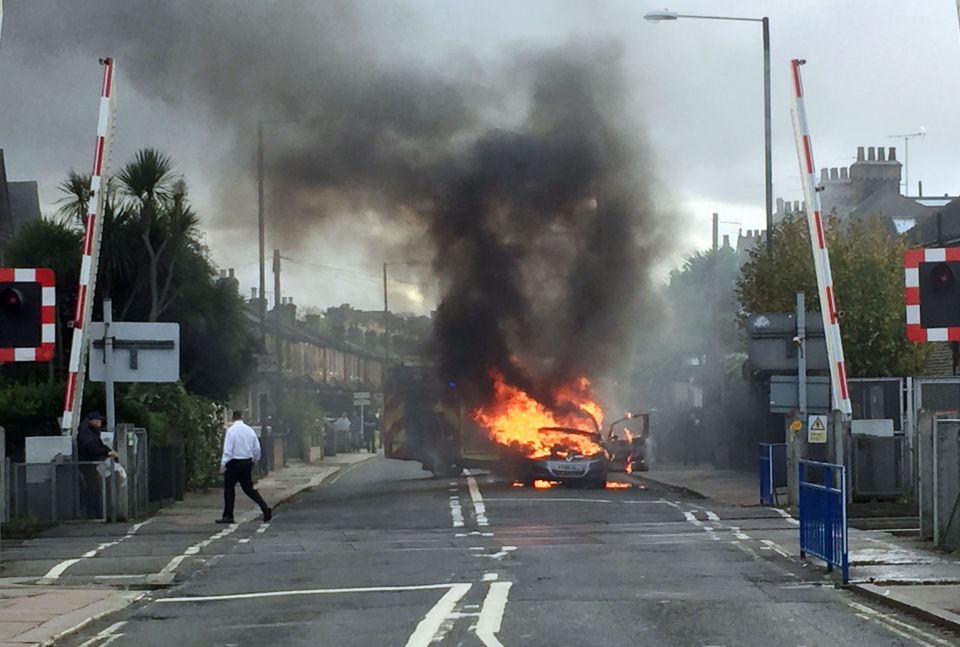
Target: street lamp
667, 15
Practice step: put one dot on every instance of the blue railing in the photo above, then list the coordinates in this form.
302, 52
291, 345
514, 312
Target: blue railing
772, 466
823, 514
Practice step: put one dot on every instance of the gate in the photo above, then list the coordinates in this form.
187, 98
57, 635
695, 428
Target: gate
772, 463
823, 514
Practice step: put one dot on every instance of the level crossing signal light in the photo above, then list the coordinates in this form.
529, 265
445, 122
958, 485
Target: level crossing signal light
932, 279
27, 314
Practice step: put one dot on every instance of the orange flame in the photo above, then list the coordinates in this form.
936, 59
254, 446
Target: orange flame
515, 420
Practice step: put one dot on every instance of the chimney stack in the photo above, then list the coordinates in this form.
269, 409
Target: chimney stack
881, 154
871, 154
859, 153
893, 154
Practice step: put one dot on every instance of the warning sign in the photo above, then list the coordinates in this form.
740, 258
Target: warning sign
796, 426
817, 429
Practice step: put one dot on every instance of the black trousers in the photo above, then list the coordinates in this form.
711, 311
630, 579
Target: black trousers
239, 471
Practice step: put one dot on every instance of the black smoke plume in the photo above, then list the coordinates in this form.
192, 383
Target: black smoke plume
522, 180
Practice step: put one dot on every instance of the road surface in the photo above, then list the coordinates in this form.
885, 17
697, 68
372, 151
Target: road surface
385, 555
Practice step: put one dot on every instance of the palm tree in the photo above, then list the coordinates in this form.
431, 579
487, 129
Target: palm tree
155, 197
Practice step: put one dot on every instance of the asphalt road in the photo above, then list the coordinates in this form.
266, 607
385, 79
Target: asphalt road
385, 555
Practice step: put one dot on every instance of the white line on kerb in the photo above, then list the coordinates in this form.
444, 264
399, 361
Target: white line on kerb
108, 635
895, 626
491, 614
54, 573
479, 509
431, 629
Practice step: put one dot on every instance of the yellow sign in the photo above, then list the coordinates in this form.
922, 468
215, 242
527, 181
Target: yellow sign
817, 429
796, 425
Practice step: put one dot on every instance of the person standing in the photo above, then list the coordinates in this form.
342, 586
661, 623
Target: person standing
91, 449
241, 449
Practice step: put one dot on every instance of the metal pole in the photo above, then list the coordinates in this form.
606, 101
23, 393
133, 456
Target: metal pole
108, 365
386, 322
906, 165
261, 229
716, 231
768, 145
802, 355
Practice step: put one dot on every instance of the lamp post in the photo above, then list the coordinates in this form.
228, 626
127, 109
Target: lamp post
666, 15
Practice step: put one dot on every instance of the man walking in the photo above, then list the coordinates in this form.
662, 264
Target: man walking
241, 449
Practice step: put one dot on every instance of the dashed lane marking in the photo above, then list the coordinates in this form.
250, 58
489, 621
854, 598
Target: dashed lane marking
54, 573
479, 509
456, 512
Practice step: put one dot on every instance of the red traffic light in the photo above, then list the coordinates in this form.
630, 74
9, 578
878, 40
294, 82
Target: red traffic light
11, 301
942, 279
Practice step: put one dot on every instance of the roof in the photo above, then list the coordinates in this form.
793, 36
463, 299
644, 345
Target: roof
926, 232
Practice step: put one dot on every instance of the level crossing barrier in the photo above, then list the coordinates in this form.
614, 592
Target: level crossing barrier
772, 467
823, 514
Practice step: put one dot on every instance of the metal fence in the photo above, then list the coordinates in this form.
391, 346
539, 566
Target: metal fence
772, 464
62, 491
823, 514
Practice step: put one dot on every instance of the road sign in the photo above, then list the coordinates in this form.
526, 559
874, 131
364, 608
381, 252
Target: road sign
361, 398
27, 314
932, 279
817, 429
784, 394
796, 425
772, 342
142, 352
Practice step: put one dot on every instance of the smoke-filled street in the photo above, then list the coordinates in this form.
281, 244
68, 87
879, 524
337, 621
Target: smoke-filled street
379, 557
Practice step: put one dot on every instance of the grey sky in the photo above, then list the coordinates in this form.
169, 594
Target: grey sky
875, 68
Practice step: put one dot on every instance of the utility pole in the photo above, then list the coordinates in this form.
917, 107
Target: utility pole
261, 228
716, 231
277, 302
386, 323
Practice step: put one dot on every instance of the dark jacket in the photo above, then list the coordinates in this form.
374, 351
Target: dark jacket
89, 445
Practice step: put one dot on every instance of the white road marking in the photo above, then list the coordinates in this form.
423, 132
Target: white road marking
245, 540
456, 512
431, 628
479, 509
474, 533
739, 534
786, 515
54, 573
490, 577
491, 614
500, 554
263, 528
296, 592
769, 544
196, 548
689, 516
896, 626
551, 500
712, 516
105, 634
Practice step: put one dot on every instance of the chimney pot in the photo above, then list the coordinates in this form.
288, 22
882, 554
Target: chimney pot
843, 173
726, 240
871, 154
253, 293
231, 273
824, 175
859, 153
881, 154
223, 274
892, 156
834, 174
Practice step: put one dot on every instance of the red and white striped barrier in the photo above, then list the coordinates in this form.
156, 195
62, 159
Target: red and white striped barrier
91, 253
818, 240
48, 314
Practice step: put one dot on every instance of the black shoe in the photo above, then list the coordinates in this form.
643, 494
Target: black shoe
267, 515
225, 520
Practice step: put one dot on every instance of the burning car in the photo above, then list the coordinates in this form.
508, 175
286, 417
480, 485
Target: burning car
575, 457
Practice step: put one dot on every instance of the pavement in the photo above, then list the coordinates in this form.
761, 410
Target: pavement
73, 575
386, 555
900, 571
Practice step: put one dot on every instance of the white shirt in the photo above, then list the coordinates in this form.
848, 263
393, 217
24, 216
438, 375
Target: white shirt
240, 442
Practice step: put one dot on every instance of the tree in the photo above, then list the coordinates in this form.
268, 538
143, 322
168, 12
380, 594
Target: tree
867, 266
